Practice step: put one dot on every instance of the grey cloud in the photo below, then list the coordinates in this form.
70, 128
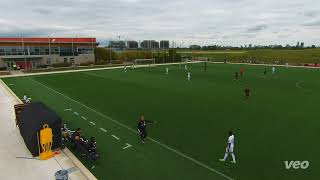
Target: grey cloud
311, 13
257, 28
312, 23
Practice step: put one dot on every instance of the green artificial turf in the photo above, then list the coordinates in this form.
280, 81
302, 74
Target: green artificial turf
280, 121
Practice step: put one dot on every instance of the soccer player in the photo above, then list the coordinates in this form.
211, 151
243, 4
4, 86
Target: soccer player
247, 93
236, 76
185, 67
167, 70
26, 99
125, 68
229, 149
205, 66
241, 72
142, 128
287, 65
189, 76
273, 70
265, 72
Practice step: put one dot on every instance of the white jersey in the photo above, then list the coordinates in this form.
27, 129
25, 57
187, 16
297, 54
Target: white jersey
25, 98
167, 70
231, 140
273, 69
230, 147
185, 67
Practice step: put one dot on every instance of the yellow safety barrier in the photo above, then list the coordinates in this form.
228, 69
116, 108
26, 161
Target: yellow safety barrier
45, 143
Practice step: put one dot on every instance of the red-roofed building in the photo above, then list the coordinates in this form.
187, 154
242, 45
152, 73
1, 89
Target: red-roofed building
34, 52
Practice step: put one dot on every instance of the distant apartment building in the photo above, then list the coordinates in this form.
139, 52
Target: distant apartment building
33, 52
149, 44
164, 44
132, 45
117, 45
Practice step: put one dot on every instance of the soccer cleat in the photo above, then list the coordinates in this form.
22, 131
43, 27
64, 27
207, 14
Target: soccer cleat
233, 162
222, 160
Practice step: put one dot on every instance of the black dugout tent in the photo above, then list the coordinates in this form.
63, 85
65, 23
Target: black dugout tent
32, 119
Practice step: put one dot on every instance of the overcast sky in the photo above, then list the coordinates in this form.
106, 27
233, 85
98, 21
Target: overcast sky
225, 22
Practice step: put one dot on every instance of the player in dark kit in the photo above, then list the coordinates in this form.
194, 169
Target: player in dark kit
205, 66
236, 76
142, 128
247, 93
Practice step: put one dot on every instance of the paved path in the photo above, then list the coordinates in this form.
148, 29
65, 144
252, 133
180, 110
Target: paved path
12, 146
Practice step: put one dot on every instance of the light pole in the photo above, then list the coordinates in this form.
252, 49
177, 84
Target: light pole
24, 56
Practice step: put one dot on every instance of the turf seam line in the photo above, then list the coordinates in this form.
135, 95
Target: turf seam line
129, 128
103, 130
114, 136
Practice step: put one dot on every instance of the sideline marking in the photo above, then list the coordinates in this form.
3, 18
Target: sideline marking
127, 146
103, 130
298, 84
68, 110
129, 128
114, 136
92, 123
84, 118
76, 113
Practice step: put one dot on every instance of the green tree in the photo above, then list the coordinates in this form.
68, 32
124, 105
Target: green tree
104, 54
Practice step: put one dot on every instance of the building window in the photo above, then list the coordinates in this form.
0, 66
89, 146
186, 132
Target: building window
65, 60
48, 61
72, 60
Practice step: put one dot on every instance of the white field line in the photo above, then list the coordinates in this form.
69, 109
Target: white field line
129, 128
67, 109
76, 113
94, 69
127, 146
92, 123
298, 84
84, 118
277, 65
114, 136
103, 130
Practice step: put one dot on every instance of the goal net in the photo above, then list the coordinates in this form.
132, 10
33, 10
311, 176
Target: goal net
144, 61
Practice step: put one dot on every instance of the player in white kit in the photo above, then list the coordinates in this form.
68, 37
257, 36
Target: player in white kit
229, 149
125, 68
189, 76
167, 70
273, 70
185, 67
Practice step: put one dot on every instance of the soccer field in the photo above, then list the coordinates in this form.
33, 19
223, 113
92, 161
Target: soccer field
279, 122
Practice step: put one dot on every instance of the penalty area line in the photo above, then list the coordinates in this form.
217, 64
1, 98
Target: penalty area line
129, 128
114, 136
103, 130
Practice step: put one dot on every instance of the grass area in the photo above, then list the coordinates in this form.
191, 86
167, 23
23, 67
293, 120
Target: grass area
294, 56
280, 122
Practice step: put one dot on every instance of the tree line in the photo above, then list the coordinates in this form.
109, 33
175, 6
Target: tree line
104, 55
